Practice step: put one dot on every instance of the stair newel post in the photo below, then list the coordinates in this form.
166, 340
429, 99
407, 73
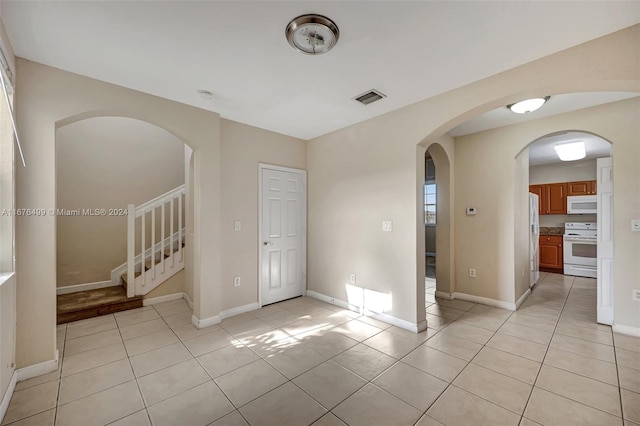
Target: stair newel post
131, 247
162, 236
152, 260
180, 225
173, 259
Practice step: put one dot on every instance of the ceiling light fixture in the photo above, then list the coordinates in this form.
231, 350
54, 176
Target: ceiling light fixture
527, 106
571, 151
312, 34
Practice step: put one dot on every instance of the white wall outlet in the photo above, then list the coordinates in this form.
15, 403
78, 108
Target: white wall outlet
237, 225
236, 281
472, 272
635, 225
471, 211
635, 294
352, 278
387, 225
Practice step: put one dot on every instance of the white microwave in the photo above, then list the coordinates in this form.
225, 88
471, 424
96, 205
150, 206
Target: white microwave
582, 204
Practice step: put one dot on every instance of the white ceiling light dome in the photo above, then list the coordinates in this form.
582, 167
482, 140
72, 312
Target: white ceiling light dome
571, 151
312, 34
528, 105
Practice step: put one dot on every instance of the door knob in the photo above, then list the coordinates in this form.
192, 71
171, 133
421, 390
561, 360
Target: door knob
268, 243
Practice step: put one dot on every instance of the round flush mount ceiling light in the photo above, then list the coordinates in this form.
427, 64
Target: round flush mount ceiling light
312, 34
527, 106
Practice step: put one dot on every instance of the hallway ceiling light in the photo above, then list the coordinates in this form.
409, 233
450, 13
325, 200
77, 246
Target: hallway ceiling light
312, 34
528, 105
571, 151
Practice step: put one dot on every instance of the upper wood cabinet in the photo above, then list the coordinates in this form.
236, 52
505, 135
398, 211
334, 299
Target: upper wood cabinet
552, 197
584, 187
556, 198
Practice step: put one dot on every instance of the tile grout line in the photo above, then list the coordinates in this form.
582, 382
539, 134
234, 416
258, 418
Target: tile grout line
526, 405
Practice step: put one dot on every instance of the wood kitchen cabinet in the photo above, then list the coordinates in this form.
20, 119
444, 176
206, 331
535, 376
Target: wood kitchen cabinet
584, 187
550, 253
552, 197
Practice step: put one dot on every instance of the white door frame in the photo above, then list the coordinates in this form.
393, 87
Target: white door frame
303, 174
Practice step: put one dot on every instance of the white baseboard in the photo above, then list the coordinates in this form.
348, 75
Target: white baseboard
84, 287
389, 319
206, 322
162, 299
626, 329
510, 306
443, 295
228, 313
522, 298
4, 405
37, 369
406, 325
332, 301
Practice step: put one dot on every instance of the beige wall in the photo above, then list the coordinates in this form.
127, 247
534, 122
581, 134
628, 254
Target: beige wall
368, 172
243, 147
49, 98
563, 172
107, 162
175, 284
616, 122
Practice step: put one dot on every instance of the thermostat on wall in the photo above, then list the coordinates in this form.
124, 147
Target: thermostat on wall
471, 211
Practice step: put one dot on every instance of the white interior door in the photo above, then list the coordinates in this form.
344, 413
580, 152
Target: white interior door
282, 234
605, 240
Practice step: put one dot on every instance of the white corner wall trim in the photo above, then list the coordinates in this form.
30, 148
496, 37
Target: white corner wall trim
510, 306
522, 298
205, 322
37, 369
626, 329
4, 405
162, 299
188, 300
84, 287
228, 313
406, 325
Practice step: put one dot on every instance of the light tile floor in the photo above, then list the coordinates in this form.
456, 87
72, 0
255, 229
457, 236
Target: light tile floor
304, 362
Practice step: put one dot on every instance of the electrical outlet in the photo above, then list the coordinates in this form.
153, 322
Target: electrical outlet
236, 281
472, 272
237, 225
387, 225
352, 278
635, 294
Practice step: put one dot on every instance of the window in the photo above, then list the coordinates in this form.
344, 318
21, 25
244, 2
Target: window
430, 203
7, 216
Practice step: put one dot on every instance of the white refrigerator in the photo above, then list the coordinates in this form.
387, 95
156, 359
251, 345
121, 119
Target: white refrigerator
534, 239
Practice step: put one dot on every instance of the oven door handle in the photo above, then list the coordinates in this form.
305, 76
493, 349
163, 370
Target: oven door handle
580, 240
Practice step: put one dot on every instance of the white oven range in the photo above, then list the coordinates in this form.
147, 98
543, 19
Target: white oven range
580, 249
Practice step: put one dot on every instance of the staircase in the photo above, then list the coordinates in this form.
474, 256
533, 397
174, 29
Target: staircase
155, 252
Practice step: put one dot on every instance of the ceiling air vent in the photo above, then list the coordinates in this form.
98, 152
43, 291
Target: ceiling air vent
370, 97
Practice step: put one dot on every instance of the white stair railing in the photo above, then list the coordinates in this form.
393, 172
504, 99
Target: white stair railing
160, 260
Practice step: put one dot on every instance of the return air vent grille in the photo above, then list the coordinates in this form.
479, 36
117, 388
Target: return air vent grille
370, 97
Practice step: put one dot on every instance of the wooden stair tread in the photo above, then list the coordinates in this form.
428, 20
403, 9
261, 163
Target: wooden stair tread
92, 303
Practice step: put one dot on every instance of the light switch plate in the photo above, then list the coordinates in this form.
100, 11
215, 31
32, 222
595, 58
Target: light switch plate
387, 225
635, 225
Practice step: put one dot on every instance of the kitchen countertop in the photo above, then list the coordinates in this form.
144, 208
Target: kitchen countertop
556, 230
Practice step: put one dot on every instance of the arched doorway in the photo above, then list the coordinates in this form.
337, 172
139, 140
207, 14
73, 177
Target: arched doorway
103, 164
566, 248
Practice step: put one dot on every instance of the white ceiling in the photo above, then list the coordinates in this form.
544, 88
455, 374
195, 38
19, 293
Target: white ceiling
236, 49
555, 105
542, 152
